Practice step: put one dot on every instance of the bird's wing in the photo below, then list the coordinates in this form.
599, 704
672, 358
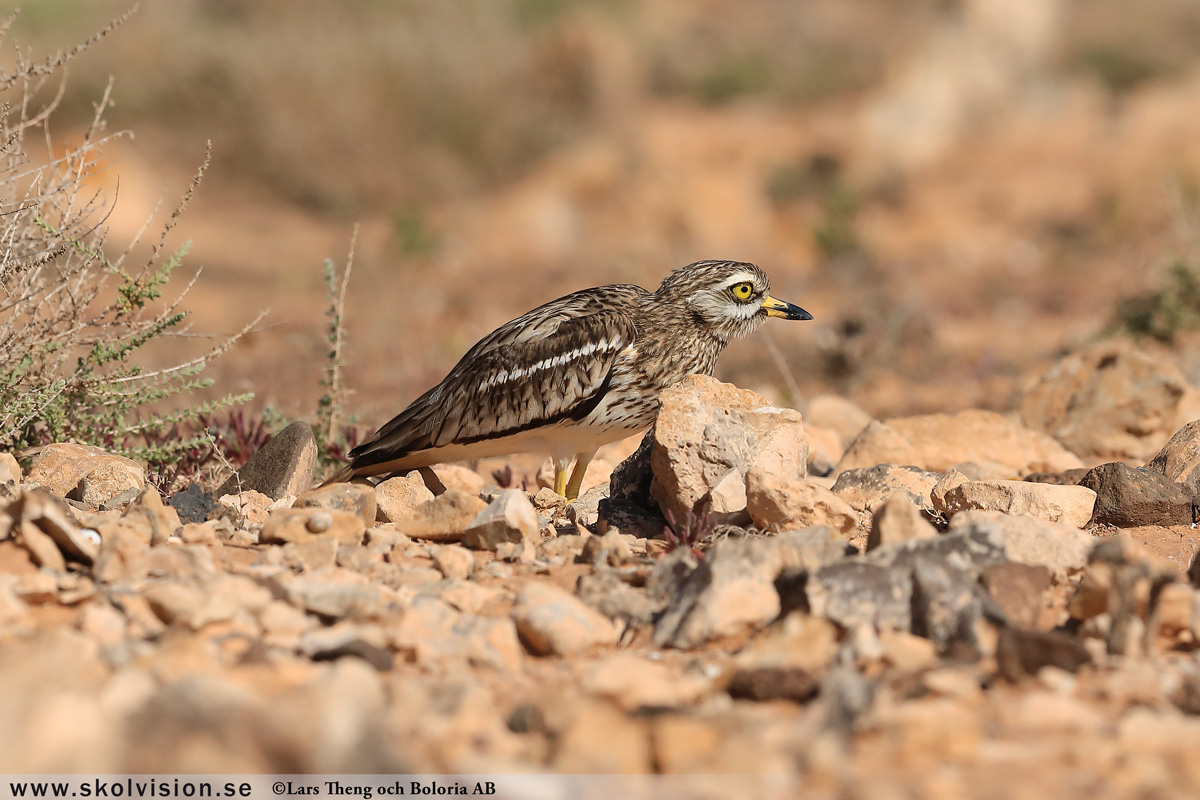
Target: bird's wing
531, 372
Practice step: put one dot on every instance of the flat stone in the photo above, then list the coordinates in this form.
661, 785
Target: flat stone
302, 524
459, 478
444, 518
1130, 498
1072, 505
868, 488
552, 622
283, 467
60, 467
355, 498
508, 518
777, 502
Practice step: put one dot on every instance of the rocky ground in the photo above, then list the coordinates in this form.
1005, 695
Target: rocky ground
953, 605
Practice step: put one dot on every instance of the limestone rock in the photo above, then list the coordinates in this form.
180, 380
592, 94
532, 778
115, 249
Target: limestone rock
397, 498
196, 602
444, 518
302, 524
249, 507
508, 518
60, 467
553, 622
948, 482
867, 488
42, 519
706, 428
107, 482
1017, 589
877, 444
837, 414
1129, 498
1179, 459
340, 593
1115, 399
148, 510
634, 683
985, 438
1070, 504
431, 632
809, 548
731, 590
460, 478
798, 640
777, 502
1055, 545
898, 520
283, 467
454, 562
10, 470
355, 498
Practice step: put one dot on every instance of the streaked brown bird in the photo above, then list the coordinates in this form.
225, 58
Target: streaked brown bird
575, 373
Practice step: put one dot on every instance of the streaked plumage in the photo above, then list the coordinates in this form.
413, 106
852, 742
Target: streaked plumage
575, 373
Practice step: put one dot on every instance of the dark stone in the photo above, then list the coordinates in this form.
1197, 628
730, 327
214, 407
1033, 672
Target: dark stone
1129, 498
284, 466
1017, 589
1187, 697
606, 592
628, 516
193, 504
1179, 459
377, 657
1070, 477
631, 478
1021, 652
762, 684
854, 592
947, 602
819, 468
527, 718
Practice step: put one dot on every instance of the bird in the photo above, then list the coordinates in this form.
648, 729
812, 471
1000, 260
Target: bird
576, 373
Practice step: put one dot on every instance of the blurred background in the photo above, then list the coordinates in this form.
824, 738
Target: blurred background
958, 190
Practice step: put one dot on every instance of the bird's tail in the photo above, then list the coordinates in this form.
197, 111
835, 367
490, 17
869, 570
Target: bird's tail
341, 476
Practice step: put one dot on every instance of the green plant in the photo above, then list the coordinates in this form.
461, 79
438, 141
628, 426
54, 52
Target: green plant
1165, 312
73, 321
334, 442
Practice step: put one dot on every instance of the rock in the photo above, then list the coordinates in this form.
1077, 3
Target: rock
199, 533
124, 556
585, 509
777, 502
552, 622
508, 518
837, 414
41, 547
1027, 540
906, 652
1017, 589
809, 548
366, 642
594, 737
42, 519
705, 429
283, 467
626, 516
60, 467
948, 482
1068, 504
454, 562
248, 507
1130, 498
604, 591
193, 504
983, 437
731, 590
634, 683
339, 594
148, 510
868, 488
108, 481
877, 444
898, 520
797, 641
1115, 399
1179, 459
947, 603
1070, 477
431, 632
444, 518
310, 555
196, 602
355, 498
302, 524
631, 479
1021, 653
10, 470
460, 478
763, 684
609, 550
397, 498
727, 500
825, 448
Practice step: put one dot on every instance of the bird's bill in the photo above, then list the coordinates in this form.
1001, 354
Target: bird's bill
779, 308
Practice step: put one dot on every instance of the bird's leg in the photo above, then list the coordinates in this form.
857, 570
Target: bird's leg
581, 464
560, 474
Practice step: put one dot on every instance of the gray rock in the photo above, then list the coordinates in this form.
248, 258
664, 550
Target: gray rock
868, 488
283, 467
585, 510
193, 504
510, 518
1179, 460
1129, 498
605, 591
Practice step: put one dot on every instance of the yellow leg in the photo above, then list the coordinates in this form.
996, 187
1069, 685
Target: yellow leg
581, 464
560, 475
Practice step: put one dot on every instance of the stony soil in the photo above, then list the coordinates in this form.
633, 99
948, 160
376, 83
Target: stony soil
944, 605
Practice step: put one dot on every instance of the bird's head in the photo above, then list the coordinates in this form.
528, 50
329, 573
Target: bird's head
730, 297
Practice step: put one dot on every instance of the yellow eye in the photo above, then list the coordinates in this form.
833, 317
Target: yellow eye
742, 291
